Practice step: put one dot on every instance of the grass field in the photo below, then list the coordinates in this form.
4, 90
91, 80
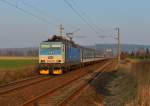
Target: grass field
17, 62
141, 70
15, 68
127, 86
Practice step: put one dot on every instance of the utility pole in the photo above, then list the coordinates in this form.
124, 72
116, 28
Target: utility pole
118, 48
61, 30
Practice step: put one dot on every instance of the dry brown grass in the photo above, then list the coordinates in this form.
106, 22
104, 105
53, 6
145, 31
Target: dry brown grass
143, 98
142, 72
7, 76
14, 68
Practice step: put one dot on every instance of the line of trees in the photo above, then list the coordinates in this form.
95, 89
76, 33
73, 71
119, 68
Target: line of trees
142, 53
19, 52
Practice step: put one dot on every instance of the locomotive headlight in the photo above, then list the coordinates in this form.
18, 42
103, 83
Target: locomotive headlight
42, 61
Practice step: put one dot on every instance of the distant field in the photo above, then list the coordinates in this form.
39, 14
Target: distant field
17, 62
15, 68
18, 58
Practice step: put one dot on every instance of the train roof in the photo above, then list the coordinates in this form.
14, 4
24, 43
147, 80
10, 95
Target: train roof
63, 39
56, 38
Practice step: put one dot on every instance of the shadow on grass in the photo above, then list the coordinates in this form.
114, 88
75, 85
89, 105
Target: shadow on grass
117, 88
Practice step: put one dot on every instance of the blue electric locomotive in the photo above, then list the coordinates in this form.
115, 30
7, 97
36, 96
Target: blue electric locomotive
58, 54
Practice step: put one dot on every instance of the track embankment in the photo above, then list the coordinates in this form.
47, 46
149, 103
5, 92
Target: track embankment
36, 92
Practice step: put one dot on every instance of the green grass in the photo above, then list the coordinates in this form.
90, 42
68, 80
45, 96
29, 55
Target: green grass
16, 63
15, 68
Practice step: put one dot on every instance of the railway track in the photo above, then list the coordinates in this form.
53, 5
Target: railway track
69, 99
19, 81
34, 101
40, 87
22, 84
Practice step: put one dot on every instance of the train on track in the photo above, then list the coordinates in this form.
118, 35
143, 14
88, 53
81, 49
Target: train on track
59, 54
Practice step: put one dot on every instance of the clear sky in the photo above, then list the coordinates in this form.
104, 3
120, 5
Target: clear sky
18, 29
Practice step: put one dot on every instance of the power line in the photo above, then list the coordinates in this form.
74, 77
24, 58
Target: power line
85, 15
38, 10
81, 17
32, 14
27, 12
57, 20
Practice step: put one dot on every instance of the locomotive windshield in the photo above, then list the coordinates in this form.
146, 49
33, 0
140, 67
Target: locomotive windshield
50, 48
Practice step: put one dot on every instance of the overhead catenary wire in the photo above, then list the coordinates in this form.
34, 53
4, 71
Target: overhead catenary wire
85, 15
56, 19
28, 12
43, 19
81, 17
36, 9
